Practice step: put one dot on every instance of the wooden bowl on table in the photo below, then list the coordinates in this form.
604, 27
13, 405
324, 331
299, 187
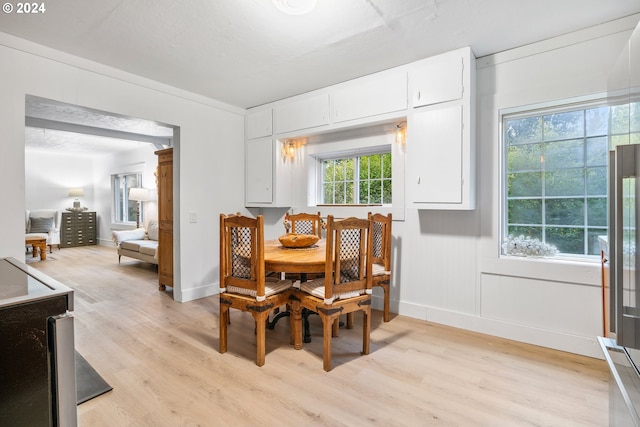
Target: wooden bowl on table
295, 240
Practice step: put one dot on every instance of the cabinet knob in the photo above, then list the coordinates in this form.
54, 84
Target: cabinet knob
418, 179
419, 95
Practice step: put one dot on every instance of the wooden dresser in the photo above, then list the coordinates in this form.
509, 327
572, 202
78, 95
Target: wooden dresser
78, 229
165, 218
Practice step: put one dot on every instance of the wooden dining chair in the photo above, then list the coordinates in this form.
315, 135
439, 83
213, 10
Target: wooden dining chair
346, 287
381, 259
381, 256
305, 223
243, 284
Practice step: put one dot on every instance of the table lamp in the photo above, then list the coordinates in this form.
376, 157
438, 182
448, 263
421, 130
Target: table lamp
77, 193
139, 195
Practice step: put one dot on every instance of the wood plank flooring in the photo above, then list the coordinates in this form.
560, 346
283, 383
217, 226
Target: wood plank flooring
162, 359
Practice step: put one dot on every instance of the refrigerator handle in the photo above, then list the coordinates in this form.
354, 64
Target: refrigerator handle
63, 384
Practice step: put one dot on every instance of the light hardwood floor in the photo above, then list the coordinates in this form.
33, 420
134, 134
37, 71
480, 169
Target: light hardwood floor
162, 359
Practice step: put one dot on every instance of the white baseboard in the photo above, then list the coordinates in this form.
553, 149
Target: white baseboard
199, 292
586, 346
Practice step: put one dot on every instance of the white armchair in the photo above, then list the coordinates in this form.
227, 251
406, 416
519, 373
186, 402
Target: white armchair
44, 223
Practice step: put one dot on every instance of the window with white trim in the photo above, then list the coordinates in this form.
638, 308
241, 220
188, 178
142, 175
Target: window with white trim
555, 175
357, 180
124, 210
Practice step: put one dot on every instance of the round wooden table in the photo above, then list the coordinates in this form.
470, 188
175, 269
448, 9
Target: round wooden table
294, 260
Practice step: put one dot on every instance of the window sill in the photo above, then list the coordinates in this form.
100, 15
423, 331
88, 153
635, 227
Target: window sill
123, 225
557, 269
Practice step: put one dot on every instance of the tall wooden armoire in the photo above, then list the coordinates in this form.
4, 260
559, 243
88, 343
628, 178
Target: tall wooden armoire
165, 218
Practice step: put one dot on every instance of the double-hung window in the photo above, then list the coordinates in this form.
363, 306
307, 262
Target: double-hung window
124, 210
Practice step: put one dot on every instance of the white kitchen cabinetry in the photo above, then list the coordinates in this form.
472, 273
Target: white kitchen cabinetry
268, 178
259, 167
259, 123
435, 95
370, 96
440, 150
302, 113
436, 176
438, 79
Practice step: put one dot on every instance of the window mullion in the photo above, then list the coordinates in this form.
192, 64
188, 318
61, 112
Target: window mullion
356, 182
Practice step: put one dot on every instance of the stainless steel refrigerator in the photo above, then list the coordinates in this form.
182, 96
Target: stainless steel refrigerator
37, 352
622, 348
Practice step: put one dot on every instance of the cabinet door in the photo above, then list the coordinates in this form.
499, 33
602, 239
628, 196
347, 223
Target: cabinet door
435, 153
303, 113
165, 255
165, 218
437, 80
165, 189
259, 123
259, 172
370, 96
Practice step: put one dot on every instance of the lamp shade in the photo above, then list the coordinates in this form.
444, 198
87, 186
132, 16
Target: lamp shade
76, 192
139, 194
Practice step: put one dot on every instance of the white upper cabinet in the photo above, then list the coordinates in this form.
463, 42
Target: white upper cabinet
268, 175
440, 149
437, 140
259, 171
302, 113
438, 79
259, 123
380, 93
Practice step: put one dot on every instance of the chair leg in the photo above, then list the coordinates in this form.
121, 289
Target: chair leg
261, 330
327, 326
335, 327
366, 329
385, 313
350, 320
224, 319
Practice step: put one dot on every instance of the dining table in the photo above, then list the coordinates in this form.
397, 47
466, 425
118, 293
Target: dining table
303, 261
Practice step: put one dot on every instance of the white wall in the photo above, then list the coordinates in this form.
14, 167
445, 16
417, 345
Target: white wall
210, 150
49, 176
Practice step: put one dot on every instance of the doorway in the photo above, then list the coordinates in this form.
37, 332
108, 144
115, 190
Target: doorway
71, 149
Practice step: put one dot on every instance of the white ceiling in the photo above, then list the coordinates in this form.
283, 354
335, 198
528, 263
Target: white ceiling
73, 130
247, 53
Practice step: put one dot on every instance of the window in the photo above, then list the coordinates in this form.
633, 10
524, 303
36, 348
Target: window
125, 209
357, 180
556, 173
